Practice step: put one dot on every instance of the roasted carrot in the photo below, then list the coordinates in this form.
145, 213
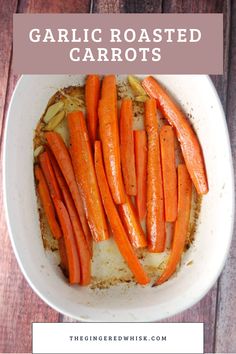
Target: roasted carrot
49, 175
71, 248
189, 143
47, 203
62, 156
127, 146
155, 220
109, 133
132, 225
109, 90
181, 224
167, 141
118, 230
63, 256
85, 175
84, 246
92, 90
67, 196
140, 147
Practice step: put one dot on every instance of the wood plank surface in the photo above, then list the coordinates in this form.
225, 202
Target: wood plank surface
225, 340
19, 306
54, 6
6, 10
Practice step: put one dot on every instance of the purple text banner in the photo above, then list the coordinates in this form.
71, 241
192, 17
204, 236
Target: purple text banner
118, 43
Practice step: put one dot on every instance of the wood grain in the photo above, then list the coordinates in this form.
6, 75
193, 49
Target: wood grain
225, 339
54, 6
6, 10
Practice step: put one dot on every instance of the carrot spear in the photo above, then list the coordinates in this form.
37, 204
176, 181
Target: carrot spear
118, 230
181, 224
155, 220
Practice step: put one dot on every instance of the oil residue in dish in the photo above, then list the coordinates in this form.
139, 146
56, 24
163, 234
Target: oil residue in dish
108, 266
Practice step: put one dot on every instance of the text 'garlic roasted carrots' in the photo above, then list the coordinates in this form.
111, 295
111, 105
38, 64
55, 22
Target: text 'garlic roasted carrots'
181, 224
84, 246
118, 230
155, 220
189, 143
127, 146
62, 156
85, 175
167, 141
71, 248
140, 148
47, 203
132, 225
109, 133
92, 93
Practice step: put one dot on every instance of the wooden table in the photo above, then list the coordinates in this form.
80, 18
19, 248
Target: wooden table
19, 306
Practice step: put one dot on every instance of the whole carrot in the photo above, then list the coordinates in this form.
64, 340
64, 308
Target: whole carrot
127, 146
70, 244
132, 225
47, 203
92, 90
189, 143
167, 140
109, 133
62, 156
85, 175
84, 246
140, 147
118, 230
49, 175
181, 224
155, 220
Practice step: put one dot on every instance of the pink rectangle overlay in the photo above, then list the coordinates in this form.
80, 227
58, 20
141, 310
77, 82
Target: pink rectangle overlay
118, 43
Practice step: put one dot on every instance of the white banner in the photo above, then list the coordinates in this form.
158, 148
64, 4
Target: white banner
59, 338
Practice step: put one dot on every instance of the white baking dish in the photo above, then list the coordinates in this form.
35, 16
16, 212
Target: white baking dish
121, 302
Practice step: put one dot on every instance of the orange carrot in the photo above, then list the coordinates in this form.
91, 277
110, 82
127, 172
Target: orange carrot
167, 140
85, 175
47, 203
132, 224
62, 156
71, 248
140, 147
67, 196
127, 146
109, 133
84, 246
92, 89
49, 175
189, 143
181, 224
118, 230
109, 90
155, 199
